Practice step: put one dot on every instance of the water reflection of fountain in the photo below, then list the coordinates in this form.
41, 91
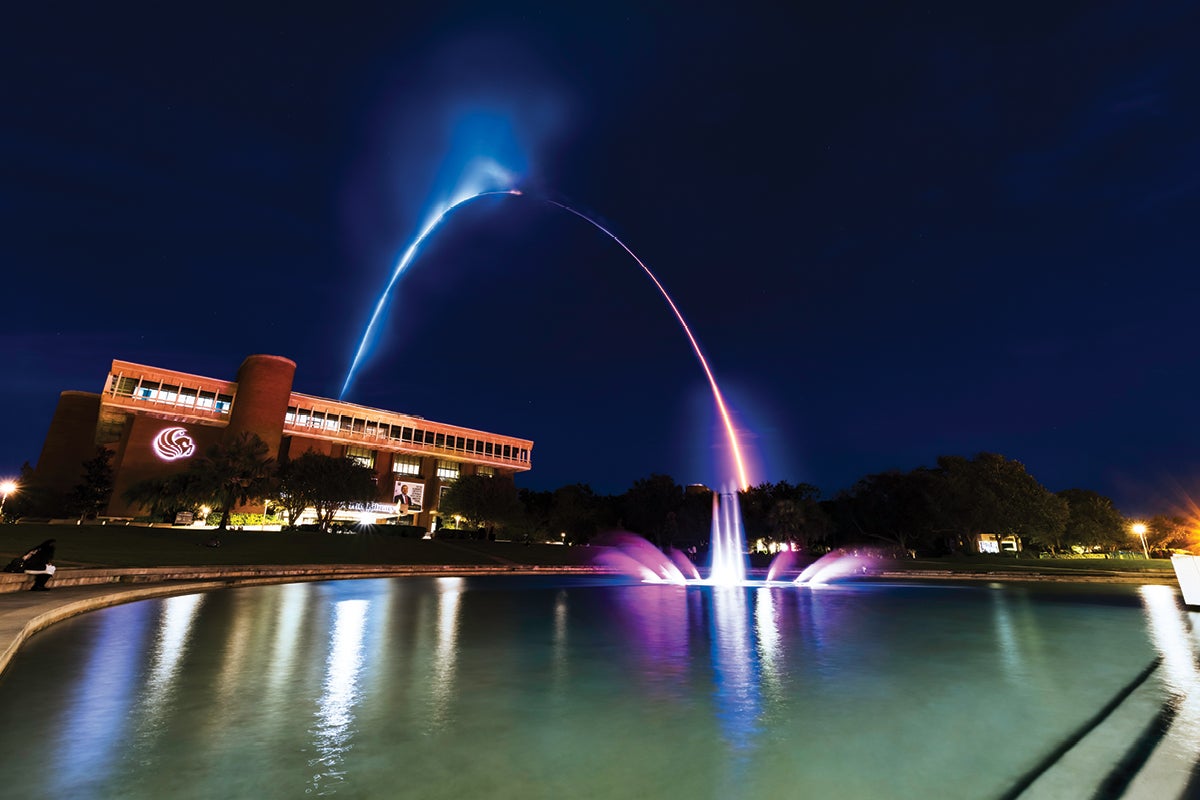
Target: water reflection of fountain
668, 625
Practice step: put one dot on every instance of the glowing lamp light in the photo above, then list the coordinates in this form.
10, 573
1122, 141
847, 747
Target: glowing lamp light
172, 444
1139, 530
6, 488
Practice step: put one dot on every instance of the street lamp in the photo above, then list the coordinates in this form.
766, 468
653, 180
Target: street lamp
1139, 529
6, 488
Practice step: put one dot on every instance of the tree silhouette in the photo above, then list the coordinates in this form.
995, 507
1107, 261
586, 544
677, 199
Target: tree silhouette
235, 472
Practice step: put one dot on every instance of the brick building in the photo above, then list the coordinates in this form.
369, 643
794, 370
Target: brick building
156, 420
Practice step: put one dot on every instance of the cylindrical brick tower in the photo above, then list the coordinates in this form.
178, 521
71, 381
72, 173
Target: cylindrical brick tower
264, 387
70, 441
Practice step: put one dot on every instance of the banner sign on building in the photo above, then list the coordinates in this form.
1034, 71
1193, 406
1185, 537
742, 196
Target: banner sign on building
408, 497
372, 508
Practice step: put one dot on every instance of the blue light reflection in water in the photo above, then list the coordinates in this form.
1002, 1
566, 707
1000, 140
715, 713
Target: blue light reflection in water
736, 665
95, 723
554, 687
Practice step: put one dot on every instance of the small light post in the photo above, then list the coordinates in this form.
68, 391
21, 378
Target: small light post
6, 488
1139, 529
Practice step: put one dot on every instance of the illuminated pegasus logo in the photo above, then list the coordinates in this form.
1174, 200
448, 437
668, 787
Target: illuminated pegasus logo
173, 443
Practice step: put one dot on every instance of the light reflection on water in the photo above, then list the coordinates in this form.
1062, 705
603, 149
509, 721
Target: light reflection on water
335, 709
441, 679
178, 615
449, 687
96, 722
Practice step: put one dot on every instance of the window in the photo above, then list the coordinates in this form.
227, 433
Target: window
361, 456
487, 449
487, 472
125, 386
224, 401
447, 470
406, 465
440, 441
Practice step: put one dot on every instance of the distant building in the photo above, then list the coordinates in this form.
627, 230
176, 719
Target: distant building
155, 421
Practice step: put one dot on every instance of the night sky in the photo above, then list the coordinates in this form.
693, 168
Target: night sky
898, 230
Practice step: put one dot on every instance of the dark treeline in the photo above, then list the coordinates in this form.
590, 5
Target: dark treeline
959, 506
944, 509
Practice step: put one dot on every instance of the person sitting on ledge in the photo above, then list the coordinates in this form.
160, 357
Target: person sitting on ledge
37, 563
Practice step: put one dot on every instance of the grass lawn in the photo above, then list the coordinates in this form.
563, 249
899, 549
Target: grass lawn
1153, 567
127, 546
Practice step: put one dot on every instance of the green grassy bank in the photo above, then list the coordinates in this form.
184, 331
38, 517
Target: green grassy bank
127, 546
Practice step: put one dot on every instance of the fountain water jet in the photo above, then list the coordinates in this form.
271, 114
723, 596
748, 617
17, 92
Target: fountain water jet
727, 541
831, 566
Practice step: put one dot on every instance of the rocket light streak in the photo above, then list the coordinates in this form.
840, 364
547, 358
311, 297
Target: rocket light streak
406, 259
401, 265
743, 481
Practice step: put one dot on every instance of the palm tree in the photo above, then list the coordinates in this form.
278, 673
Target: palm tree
236, 472
163, 497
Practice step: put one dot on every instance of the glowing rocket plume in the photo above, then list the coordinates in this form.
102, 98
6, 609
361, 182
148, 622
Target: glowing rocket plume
368, 336
743, 481
401, 265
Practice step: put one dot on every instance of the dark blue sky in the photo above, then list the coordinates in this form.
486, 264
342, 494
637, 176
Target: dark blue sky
897, 232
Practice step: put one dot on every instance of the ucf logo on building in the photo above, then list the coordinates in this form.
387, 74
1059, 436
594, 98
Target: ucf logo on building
172, 444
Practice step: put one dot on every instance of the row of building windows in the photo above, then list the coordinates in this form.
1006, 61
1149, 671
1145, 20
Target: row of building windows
155, 392
406, 465
411, 465
320, 420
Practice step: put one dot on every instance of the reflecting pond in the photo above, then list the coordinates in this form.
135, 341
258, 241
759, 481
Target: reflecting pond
576, 687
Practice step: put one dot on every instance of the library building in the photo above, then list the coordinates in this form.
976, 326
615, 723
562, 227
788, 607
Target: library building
156, 420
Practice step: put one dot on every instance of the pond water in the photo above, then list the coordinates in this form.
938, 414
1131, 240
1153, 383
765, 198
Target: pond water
569, 687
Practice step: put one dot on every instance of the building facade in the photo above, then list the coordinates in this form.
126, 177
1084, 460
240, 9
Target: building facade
155, 421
